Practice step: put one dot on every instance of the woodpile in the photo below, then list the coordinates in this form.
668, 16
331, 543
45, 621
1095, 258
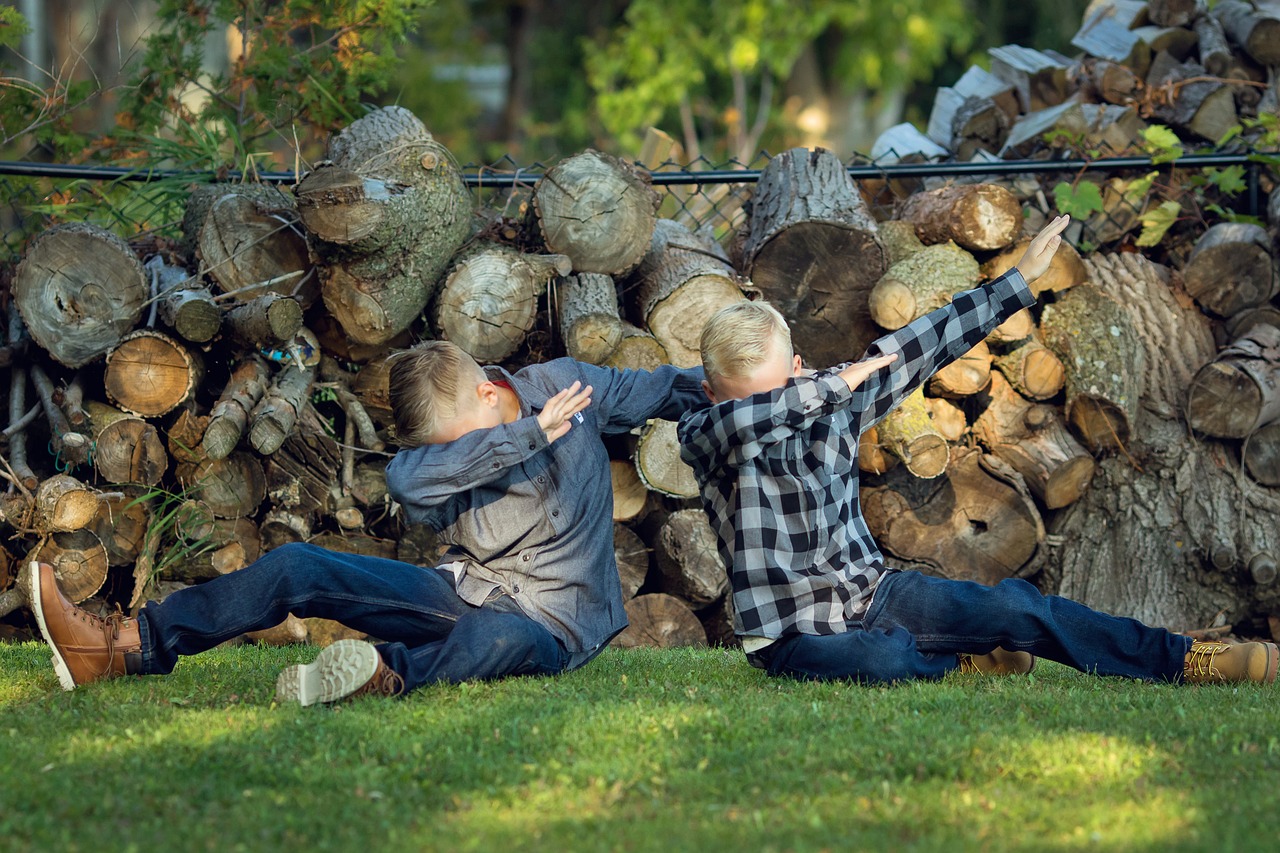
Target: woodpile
1118, 442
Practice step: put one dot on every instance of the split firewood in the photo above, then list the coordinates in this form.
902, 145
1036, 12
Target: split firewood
682, 280
1034, 441
73, 448
658, 461
264, 321
597, 210
1105, 362
274, 416
1255, 27
79, 560
637, 350
977, 82
904, 143
1238, 392
127, 449
811, 248
975, 216
230, 415
303, 475
192, 313
1230, 268
63, 504
1106, 36
1261, 454
687, 556
149, 373
1174, 13
1197, 104
976, 523
1033, 131
80, 289
966, 125
1066, 270
590, 324
1126, 13
632, 557
489, 300
662, 621
230, 487
967, 375
921, 283
387, 215
909, 433
1039, 79
1178, 42
629, 494
1032, 369
1112, 82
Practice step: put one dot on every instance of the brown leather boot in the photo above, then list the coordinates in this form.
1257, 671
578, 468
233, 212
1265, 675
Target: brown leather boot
346, 669
1217, 663
85, 647
999, 662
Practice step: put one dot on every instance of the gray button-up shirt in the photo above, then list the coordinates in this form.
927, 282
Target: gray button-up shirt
536, 520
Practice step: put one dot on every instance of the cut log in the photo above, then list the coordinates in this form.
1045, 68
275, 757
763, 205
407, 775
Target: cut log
1105, 362
80, 289
72, 448
597, 210
909, 434
966, 125
1115, 83
590, 324
369, 546
637, 350
873, 456
192, 313
127, 449
249, 240
223, 546
973, 524
379, 281
1020, 326
1176, 338
899, 240
1032, 369
1128, 13
78, 560
660, 621
265, 321
1239, 324
948, 418
812, 250
967, 375
1214, 52
121, 525
185, 435
977, 82
632, 558
1112, 127
658, 461
149, 373
231, 487
1105, 37
1029, 133
289, 632
1040, 80
230, 415
975, 216
1239, 392
303, 474
1174, 13
629, 494
904, 143
920, 283
273, 418
1195, 102
489, 300
1261, 454
1254, 28
683, 279
1230, 268
63, 504
1034, 441
1178, 42
1066, 270
686, 554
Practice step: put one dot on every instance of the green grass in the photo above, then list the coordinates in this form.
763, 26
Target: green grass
640, 750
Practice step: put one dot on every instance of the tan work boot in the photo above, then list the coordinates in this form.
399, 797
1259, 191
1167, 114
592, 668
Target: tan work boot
346, 669
999, 662
85, 647
1217, 663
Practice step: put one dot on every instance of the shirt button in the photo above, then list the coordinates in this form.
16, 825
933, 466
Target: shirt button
497, 465
541, 479
525, 558
516, 588
555, 513
532, 445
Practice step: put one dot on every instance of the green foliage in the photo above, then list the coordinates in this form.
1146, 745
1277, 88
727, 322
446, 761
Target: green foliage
1156, 222
1078, 201
12, 27
1229, 180
1161, 143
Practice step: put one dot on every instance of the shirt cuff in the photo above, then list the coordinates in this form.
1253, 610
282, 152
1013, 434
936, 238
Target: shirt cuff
1011, 285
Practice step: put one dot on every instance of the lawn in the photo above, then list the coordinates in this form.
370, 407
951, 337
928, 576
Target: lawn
641, 750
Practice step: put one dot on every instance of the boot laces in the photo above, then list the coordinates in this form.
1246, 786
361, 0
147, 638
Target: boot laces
1199, 663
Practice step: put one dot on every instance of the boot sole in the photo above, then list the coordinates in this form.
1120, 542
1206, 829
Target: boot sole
338, 671
1273, 662
37, 607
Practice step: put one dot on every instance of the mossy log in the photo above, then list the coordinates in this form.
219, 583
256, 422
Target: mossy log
192, 313
1032, 369
920, 283
909, 434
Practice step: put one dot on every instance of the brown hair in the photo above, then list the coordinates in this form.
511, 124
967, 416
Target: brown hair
427, 383
740, 337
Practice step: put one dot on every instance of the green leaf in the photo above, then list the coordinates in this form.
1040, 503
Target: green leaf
1156, 222
1229, 180
1162, 144
1078, 202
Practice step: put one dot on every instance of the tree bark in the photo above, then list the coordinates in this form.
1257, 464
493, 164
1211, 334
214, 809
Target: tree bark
1215, 54
274, 416
1230, 268
589, 320
921, 283
1039, 80
192, 313
231, 487
1254, 28
265, 321
909, 434
127, 449
149, 374
689, 560
79, 289
632, 557
1262, 455
812, 250
660, 621
976, 216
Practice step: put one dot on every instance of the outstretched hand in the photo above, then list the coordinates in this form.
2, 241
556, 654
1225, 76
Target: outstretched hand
1035, 260
857, 373
556, 416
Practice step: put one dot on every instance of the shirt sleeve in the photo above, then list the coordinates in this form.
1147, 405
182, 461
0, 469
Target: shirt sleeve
625, 399
930, 343
423, 477
736, 431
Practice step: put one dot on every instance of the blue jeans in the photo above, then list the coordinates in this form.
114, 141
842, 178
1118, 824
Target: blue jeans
917, 624
432, 634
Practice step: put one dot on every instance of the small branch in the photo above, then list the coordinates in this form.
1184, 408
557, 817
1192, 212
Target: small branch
23, 422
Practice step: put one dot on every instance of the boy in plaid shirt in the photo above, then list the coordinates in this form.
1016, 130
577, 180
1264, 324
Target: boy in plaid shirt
776, 458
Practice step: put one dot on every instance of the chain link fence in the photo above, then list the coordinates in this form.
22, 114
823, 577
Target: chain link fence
140, 205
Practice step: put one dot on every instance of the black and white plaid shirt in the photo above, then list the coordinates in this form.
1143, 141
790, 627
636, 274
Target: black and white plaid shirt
779, 474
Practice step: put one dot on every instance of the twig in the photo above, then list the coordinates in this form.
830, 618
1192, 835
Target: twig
21, 423
271, 282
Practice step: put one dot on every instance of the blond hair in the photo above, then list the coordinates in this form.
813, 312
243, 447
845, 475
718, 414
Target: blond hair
740, 337
427, 384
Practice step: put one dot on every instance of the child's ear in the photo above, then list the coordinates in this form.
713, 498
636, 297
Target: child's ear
706, 389
488, 394
797, 365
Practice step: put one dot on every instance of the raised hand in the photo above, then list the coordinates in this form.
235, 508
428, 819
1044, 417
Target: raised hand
857, 373
1035, 260
557, 414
